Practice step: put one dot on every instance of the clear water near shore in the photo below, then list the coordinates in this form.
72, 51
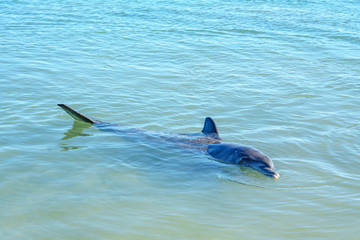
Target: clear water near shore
281, 76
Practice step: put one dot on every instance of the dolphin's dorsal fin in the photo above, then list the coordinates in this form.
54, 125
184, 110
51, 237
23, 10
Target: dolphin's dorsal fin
209, 127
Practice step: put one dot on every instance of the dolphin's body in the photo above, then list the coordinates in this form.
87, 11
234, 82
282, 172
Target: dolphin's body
208, 141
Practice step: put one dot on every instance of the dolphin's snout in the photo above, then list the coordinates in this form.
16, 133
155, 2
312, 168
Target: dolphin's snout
275, 175
269, 172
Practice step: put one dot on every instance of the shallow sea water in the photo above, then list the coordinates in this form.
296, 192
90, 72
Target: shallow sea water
281, 76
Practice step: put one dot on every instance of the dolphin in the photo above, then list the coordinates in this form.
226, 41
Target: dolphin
208, 141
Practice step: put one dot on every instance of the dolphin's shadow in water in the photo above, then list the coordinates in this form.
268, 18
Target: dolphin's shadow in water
75, 131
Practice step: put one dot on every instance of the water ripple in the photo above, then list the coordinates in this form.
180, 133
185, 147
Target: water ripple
281, 76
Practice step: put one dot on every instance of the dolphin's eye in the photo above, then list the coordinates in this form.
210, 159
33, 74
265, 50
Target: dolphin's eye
244, 160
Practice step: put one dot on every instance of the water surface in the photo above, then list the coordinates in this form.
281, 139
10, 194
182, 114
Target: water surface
281, 76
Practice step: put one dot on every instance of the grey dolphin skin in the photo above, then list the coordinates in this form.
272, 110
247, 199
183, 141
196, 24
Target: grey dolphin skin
208, 140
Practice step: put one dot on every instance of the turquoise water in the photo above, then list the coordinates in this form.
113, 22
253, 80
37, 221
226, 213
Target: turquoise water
281, 76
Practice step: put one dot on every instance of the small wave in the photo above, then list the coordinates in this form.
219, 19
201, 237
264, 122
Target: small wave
290, 179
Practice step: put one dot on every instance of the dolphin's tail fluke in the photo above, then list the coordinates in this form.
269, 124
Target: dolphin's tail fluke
76, 115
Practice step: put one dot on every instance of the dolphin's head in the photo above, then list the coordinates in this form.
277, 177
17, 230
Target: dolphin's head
255, 159
242, 155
